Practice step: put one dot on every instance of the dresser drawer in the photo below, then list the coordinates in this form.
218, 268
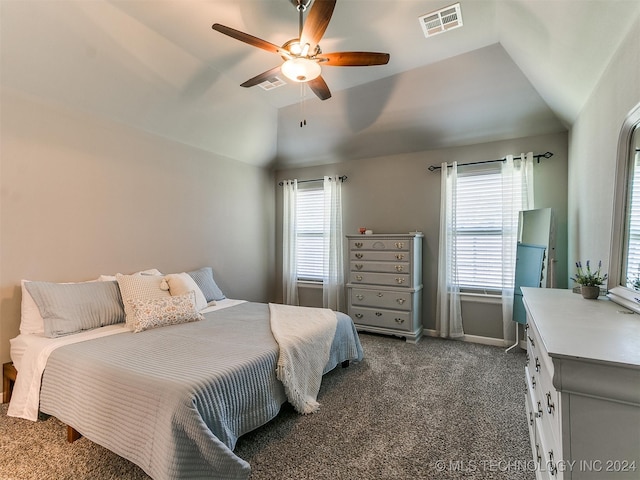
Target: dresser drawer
540, 458
381, 299
549, 399
536, 351
533, 387
382, 267
376, 256
540, 369
374, 317
389, 279
542, 445
379, 244
549, 453
531, 415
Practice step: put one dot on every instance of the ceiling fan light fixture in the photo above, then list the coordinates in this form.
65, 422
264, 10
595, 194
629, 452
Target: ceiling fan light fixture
295, 48
301, 69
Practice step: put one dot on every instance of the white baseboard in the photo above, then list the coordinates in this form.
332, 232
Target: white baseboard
496, 342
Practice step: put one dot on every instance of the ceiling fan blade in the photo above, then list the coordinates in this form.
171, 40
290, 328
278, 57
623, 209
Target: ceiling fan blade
353, 59
250, 39
320, 88
317, 22
262, 77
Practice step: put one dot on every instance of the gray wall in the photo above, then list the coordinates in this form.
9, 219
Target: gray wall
397, 194
83, 196
592, 153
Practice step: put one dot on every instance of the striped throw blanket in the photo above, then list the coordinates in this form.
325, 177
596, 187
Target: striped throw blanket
304, 337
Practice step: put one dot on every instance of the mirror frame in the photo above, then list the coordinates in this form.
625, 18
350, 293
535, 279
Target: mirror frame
617, 292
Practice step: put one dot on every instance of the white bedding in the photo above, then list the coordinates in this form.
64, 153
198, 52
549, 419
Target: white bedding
304, 337
30, 353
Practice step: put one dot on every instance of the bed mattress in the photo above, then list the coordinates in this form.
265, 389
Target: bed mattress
174, 400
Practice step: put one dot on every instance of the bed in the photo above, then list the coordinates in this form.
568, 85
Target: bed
173, 400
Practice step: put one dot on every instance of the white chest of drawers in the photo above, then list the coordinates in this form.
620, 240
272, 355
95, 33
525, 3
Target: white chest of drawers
583, 386
385, 284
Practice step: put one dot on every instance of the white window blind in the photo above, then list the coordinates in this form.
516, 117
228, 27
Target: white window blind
310, 218
633, 256
479, 229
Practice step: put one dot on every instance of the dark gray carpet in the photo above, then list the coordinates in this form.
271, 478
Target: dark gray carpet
439, 409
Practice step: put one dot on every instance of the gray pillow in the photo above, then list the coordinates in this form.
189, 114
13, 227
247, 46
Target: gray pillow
68, 308
204, 279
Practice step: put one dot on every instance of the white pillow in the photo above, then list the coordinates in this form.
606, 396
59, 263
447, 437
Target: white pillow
161, 312
112, 278
181, 284
31, 322
139, 287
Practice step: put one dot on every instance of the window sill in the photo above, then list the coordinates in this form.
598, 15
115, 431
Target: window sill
309, 284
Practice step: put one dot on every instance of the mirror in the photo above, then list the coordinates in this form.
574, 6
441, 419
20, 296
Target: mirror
535, 227
624, 263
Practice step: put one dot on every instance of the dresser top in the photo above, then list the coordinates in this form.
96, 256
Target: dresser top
387, 235
594, 330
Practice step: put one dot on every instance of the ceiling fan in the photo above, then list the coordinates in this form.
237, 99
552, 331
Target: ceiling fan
303, 57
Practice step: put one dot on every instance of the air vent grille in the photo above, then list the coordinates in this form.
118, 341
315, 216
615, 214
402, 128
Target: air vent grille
271, 83
441, 20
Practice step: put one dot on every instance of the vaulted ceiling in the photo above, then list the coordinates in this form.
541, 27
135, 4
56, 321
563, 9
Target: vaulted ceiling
516, 68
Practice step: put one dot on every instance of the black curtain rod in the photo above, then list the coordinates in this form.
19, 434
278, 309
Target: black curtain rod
537, 157
342, 179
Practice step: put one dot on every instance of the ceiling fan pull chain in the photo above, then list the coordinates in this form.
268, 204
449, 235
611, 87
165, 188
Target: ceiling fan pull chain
303, 122
301, 8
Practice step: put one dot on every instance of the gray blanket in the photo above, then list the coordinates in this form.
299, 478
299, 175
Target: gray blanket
174, 400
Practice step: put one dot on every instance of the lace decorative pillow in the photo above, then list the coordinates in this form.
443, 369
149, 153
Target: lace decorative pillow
160, 312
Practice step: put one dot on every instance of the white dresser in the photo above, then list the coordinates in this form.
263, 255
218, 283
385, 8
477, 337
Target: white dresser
583, 386
385, 284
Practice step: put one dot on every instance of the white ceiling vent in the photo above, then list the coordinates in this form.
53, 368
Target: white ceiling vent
272, 82
441, 20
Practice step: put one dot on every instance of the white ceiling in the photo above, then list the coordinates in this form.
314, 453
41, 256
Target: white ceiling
516, 68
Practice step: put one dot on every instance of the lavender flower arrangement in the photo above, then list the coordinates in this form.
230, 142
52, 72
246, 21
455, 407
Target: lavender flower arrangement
584, 276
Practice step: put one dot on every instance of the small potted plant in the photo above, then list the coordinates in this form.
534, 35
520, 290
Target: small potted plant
589, 281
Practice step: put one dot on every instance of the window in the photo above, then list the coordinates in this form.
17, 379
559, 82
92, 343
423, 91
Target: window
479, 232
309, 220
312, 245
633, 247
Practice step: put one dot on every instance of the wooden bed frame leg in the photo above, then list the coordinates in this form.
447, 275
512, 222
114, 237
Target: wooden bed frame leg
9, 375
72, 434
345, 364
